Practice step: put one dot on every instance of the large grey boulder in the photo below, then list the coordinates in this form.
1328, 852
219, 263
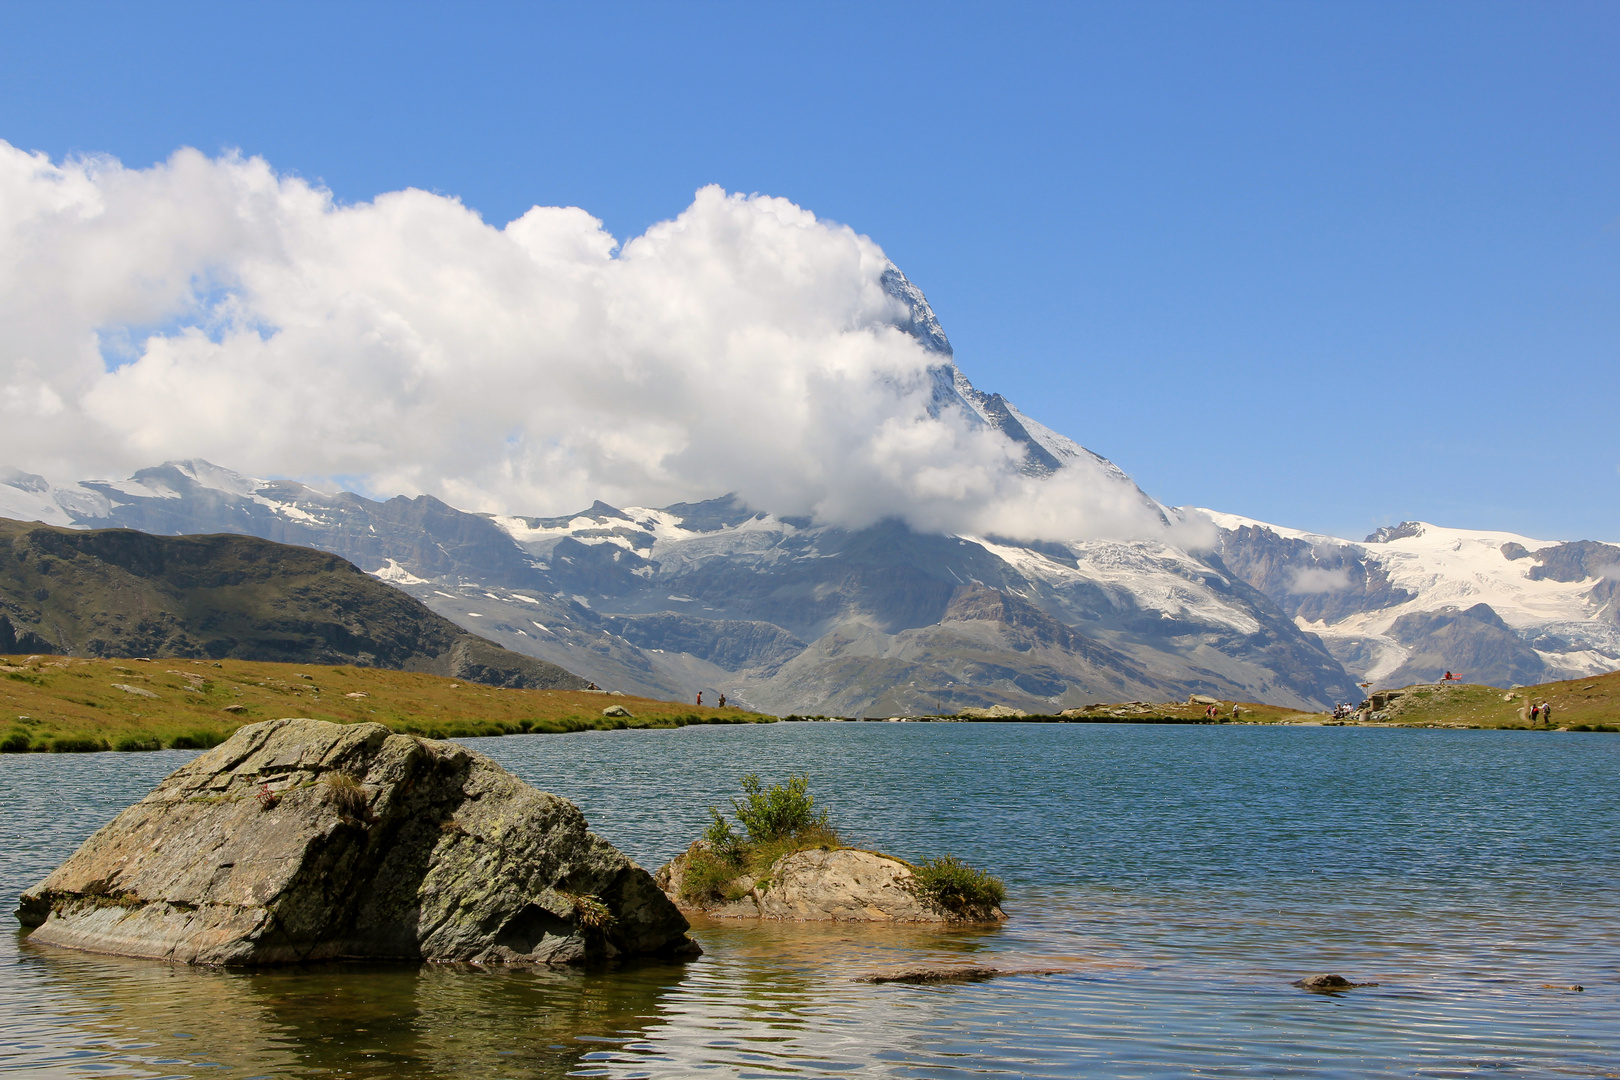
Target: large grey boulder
304, 840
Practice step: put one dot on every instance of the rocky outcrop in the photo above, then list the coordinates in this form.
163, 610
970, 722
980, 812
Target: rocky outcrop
841, 885
302, 840
994, 712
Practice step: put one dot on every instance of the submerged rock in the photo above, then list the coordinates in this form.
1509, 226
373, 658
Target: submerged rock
840, 885
1327, 984
923, 976
301, 840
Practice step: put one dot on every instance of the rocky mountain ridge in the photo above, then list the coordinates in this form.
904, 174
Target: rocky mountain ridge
791, 617
779, 614
788, 615
1414, 601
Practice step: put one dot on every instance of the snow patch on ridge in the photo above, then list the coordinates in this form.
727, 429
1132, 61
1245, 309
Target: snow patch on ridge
395, 574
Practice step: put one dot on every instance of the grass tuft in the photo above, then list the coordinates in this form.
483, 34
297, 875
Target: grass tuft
592, 915
347, 794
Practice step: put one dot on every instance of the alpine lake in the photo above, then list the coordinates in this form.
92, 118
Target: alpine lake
1170, 883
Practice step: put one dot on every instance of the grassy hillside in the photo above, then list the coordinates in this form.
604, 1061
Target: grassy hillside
71, 703
1578, 704
118, 592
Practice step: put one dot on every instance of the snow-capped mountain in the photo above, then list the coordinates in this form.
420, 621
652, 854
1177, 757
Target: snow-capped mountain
779, 614
790, 616
1414, 601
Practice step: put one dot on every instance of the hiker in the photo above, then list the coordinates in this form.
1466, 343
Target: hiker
1234, 711
722, 701
700, 699
1535, 713
1546, 714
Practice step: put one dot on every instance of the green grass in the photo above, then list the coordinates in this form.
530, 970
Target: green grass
71, 703
1590, 704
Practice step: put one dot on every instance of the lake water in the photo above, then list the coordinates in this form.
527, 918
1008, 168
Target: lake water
1178, 878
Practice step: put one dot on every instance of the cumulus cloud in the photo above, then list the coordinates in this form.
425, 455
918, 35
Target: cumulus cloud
209, 307
1308, 580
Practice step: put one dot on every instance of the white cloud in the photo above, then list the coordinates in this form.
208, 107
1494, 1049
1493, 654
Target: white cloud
211, 308
1306, 580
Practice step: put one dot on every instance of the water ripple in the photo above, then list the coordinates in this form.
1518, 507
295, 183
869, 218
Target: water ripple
1176, 878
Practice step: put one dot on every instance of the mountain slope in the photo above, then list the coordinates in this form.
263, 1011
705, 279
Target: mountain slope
119, 592
780, 614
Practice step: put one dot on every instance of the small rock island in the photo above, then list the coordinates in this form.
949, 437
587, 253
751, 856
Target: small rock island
302, 840
788, 863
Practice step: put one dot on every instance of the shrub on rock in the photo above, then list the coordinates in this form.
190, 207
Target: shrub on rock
788, 862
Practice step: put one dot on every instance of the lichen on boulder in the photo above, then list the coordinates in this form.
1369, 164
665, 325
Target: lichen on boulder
301, 840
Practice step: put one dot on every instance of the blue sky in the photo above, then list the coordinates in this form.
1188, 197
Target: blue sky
1327, 265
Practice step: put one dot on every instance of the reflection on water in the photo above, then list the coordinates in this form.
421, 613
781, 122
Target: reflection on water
1176, 880
345, 1020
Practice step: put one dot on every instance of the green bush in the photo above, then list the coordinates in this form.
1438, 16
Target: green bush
16, 743
726, 845
70, 745
779, 811
138, 742
196, 740
777, 821
955, 889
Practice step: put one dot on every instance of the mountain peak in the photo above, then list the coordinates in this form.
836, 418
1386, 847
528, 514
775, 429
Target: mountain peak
921, 323
1395, 532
